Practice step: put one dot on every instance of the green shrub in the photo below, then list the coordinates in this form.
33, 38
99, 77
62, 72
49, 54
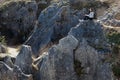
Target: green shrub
116, 70
78, 68
30, 9
116, 49
114, 38
2, 40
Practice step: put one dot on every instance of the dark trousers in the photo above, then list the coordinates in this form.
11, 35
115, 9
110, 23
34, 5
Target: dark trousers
87, 18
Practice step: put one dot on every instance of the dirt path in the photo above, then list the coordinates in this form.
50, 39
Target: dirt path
111, 27
13, 51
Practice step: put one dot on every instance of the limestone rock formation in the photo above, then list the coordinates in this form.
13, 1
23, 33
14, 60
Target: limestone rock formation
24, 59
54, 23
8, 60
7, 73
58, 63
17, 18
92, 31
104, 72
93, 67
61, 47
3, 49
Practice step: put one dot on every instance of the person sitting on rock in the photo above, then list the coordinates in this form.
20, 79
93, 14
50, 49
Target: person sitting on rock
90, 16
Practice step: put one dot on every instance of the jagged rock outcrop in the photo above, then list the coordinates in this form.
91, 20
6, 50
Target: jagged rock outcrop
7, 73
58, 63
24, 59
17, 19
104, 72
92, 31
8, 60
3, 49
92, 66
54, 23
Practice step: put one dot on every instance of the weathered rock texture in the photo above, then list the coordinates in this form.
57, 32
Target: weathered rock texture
80, 42
111, 16
7, 60
54, 23
17, 18
7, 73
58, 63
24, 59
92, 31
3, 49
93, 67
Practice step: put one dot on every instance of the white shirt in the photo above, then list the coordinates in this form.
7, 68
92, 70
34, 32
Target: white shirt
91, 15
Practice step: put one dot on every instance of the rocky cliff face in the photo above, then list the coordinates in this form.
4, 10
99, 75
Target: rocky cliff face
3, 49
60, 60
7, 73
60, 47
54, 23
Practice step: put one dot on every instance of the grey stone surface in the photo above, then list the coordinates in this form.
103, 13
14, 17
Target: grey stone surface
3, 49
8, 73
58, 63
88, 58
104, 72
8, 60
24, 59
93, 67
54, 23
92, 31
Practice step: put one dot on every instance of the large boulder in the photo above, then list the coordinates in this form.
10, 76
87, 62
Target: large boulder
8, 73
17, 18
54, 23
24, 59
58, 63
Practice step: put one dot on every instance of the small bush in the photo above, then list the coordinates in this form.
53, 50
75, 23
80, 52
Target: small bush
116, 49
78, 68
116, 70
114, 38
30, 9
2, 40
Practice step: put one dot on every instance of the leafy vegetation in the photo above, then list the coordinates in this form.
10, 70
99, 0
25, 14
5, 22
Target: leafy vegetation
114, 38
78, 68
116, 70
2, 40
